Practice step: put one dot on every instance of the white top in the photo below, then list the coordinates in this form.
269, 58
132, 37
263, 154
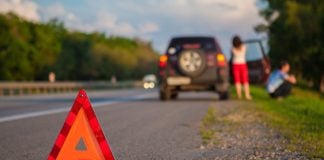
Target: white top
239, 55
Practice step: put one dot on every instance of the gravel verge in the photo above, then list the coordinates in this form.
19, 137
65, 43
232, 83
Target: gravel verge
240, 133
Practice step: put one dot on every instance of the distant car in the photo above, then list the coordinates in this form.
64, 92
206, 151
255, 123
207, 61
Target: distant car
149, 81
258, 62
193, 64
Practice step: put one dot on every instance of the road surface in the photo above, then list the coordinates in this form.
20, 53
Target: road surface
136, 124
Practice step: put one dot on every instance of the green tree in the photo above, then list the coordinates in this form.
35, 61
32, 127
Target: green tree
29, 51
297, 35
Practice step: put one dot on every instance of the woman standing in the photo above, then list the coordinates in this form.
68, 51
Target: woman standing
239, 68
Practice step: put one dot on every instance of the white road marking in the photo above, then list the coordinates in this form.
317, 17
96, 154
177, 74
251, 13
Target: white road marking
61, 110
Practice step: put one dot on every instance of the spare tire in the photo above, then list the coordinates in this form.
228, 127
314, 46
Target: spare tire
191, 62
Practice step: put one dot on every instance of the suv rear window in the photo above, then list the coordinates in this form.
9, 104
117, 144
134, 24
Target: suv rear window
206, 43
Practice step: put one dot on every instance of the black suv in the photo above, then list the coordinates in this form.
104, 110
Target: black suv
193, 64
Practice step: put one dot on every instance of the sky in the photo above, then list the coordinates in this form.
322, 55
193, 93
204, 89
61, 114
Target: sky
152, 20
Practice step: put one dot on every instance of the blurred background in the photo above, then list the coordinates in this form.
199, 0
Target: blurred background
113, 48
84, 40
95, 40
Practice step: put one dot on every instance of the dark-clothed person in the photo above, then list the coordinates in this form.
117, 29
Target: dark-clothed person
280, 82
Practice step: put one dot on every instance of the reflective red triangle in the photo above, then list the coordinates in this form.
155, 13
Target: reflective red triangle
81, 122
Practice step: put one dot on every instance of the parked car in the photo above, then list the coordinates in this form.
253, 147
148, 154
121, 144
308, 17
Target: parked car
257, 61
193, 64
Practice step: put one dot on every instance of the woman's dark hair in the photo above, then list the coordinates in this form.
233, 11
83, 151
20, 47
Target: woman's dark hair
283, 63
237, 42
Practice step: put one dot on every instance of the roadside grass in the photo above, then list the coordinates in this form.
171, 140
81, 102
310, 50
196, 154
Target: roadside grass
207, 132
214, 123
299, 117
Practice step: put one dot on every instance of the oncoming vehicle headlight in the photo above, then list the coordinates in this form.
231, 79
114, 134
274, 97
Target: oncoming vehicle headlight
148, 85
152, 85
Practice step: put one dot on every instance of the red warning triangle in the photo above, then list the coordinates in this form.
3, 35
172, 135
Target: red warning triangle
81, 127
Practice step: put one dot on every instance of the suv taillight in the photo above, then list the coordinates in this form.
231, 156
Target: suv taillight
163, 61
221, 60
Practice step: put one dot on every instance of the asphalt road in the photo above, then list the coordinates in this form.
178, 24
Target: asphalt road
136, 124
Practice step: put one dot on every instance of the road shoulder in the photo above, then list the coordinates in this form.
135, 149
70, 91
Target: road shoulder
240, 133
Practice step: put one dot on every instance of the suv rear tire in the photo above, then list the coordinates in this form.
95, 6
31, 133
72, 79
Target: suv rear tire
165, 95
223, 95
174, 95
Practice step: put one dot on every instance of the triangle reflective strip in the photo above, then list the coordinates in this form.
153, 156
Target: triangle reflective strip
81, 126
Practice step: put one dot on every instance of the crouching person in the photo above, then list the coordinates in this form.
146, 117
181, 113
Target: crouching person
280, 82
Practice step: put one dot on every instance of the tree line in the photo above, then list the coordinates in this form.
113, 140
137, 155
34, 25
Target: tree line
29, 51
297, 35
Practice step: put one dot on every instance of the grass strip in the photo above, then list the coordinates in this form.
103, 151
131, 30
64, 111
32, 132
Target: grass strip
207, 132
299, 117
